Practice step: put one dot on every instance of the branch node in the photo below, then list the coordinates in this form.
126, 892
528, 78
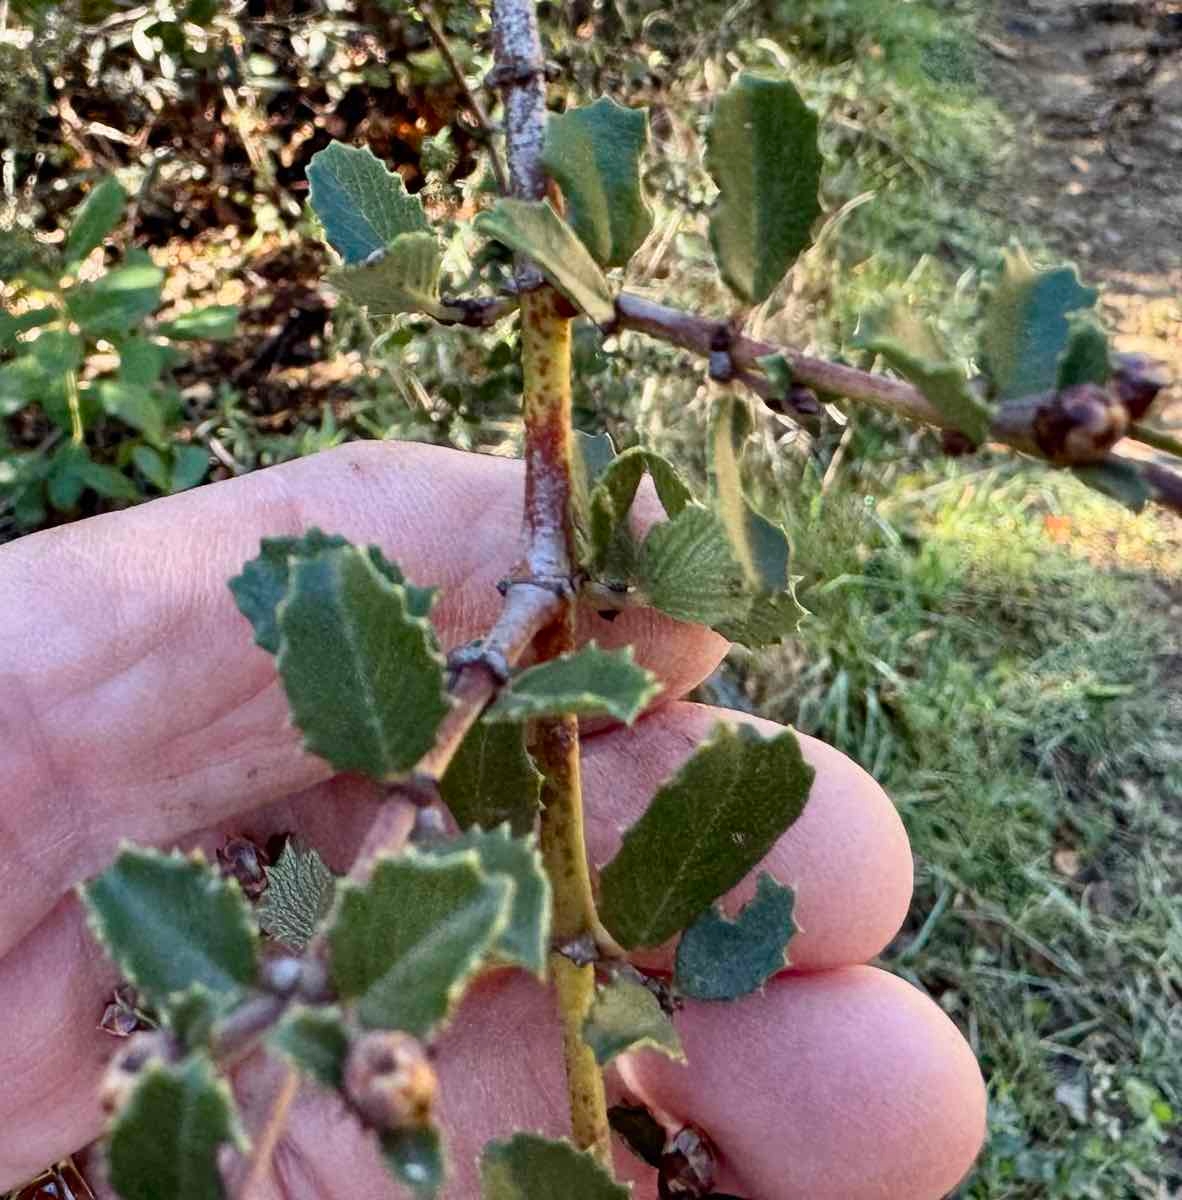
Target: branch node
582, 950
720, 363
479, 653
563, 586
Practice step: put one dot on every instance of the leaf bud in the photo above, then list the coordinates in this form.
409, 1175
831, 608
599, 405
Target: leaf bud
242, 860
389, 1081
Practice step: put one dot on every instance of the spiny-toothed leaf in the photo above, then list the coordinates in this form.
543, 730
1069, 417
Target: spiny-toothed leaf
614, 491
704, 830
403, 278
170, 922
945, 386
1086, 359
526, 937
529, 1167
415, 1158
263, 582
770, 619
362, 206
13, 324
720, 959
492, 779
588, 682
625, 1016
362, 674
687, 569
1026, 328
190, 1015
300, 890
406, 941
762, 152
216, 323
643, 1134
593, 154
1119, 481
534, 229
166, 1140
316, 1041
112, 305
133, 405
94, 218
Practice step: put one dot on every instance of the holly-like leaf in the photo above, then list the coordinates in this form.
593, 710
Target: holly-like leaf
529, 1167
300, 891
720, 959
625, 1016
216, 323
525, 938
613, 493
492, 779
133, 405
405, 942
762, 152
945, 386
415, 1158
704, 830
115, 303
94, 218
589, 682
593, 154
1086, 358
316, 1041
166, 1140
362, 673
1026, 328
191, 1015
533, 228
643, 1134
770, 619
403, 278
687, 569
170, 922
1119, 481
362, 206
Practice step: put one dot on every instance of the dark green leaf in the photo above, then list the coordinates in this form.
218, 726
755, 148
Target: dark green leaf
625, 1016
643, 1134
151, 466
704, 830
316, 1041
362, 206
107, 481
1118, 481
771, 618
94, 218
22, 382
300, 890
362, 674
13, 324
58, 351
588, 682
166, 1140
216, 323
404, 279
189, 466
415, 1158
141, 362
1086, 359
115, 303
170, 922
1026, 327
65, 484
719, 959
133, 405
405, 942
593, 154
529, 1167
762, 152
492, 779
536, 230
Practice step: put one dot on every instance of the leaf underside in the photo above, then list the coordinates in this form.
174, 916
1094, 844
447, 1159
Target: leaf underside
300, 890
626, 1016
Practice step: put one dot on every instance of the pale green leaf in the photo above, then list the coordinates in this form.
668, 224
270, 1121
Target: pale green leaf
534, 229
300, 890
58, 351
415, 1158
626, 1016
133, 405
614, 491
316, 1041
720, 959
762, 152
115, 303
704, 830
1086, 358
593, 154
945, 386
406, 941
216, 323
94, 218
530, 1167
141, 362
492, 779
403, 278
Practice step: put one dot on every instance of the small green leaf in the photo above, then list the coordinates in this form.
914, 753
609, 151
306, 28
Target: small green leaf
22, 382
170, 922
643, 1134
405, 942
533, 228
11, 325
106, 481
415, 1158
166, 1140
704, 830
191, 1015
189, 466
589, 682
151, 466
404, 279
945, 386
300, 890
316, 1041
141, 362
614, 491
94, 218
1118, 481
133, 405
529, 1167
778, 371
626, 1016
1026, 327
720, 959
687, 569
762, 152
115, 303
1086, 359
593, 154
216, 323
65, 484
492, 779
770, 619
362, 206
58, 351
526, 937
362, 673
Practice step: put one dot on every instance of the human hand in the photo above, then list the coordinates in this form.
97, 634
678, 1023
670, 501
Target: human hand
133, 705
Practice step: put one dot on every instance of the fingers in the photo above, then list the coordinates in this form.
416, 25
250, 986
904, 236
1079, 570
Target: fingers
132, 701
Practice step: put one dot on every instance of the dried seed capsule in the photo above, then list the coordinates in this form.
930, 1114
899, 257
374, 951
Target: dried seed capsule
389, 1081
129, 1063
687, 1166
244, 861
121, 1018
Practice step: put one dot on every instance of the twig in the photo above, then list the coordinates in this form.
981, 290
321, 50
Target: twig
268, 1139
